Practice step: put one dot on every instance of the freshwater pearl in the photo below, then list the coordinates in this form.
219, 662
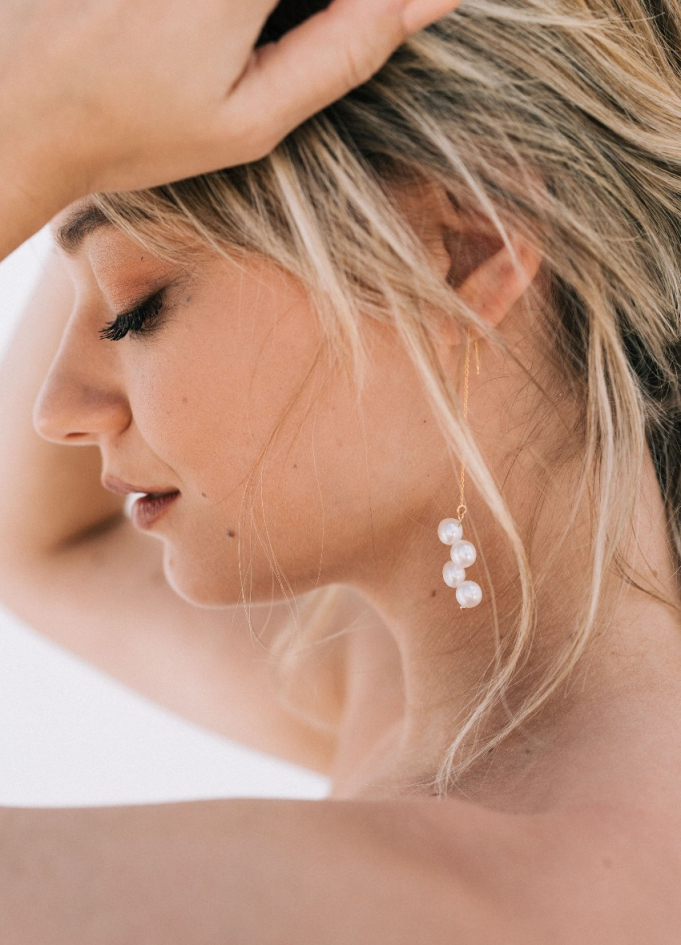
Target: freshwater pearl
453, 575
449, 531
469, 594
463, 554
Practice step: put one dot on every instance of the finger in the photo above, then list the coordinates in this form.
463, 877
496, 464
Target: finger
421, 13
322, 60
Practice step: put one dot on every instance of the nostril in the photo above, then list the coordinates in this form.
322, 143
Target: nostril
75, 413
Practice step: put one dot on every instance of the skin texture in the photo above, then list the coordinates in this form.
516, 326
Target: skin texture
228, 399
570, 834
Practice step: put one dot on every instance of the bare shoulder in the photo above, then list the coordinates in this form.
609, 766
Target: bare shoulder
590, 874
388, 872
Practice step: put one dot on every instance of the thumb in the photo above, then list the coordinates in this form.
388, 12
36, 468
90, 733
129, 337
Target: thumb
320, 61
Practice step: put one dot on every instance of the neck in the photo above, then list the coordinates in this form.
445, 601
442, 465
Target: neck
562, 751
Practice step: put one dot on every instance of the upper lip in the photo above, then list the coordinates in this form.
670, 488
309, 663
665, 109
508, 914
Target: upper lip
119, 487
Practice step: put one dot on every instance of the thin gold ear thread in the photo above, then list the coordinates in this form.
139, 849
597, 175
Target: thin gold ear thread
461, 510
450, 530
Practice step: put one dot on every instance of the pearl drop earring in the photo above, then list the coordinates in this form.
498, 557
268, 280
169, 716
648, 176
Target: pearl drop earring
450, 530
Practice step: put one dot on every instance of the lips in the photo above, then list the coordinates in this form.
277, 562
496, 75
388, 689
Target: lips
153, 503
119, 487
147, 510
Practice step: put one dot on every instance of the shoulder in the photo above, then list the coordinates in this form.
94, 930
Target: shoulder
385, 872
588, 874
453, 872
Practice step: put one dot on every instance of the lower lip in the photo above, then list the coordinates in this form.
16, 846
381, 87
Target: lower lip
149, 509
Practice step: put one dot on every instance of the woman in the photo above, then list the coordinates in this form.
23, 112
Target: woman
443, 310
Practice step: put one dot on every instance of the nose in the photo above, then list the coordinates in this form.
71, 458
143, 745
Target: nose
81, 400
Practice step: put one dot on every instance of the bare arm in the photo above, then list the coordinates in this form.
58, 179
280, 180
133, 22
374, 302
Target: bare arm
129, 94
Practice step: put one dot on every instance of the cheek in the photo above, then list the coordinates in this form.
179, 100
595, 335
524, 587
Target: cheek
211, 389
274, 460
208, 396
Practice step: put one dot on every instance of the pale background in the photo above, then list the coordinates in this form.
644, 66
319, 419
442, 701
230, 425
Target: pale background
70, 736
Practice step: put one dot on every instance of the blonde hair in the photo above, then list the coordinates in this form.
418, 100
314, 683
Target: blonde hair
558, 121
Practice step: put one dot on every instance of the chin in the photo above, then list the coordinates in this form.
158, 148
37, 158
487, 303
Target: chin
205, 584
197, 585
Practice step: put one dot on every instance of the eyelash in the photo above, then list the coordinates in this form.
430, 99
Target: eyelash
139, 321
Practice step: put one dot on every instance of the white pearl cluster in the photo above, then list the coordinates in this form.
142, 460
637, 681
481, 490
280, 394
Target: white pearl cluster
463, 555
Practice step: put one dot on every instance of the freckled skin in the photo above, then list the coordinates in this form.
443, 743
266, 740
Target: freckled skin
243, 346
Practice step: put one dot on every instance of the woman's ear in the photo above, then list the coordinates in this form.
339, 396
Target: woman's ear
498, 280
488, 274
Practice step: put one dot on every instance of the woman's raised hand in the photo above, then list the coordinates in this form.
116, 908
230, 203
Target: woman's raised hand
126, 94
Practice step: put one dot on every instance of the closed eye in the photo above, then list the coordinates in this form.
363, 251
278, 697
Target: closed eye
143, 319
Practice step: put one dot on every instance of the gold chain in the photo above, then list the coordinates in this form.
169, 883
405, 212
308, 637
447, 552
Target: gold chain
461, 510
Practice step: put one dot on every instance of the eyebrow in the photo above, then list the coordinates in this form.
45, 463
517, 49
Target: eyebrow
71, 234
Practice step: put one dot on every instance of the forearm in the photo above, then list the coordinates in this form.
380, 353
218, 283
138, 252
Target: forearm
33, 187
265, 872
19, 219
21, 213
49, 494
